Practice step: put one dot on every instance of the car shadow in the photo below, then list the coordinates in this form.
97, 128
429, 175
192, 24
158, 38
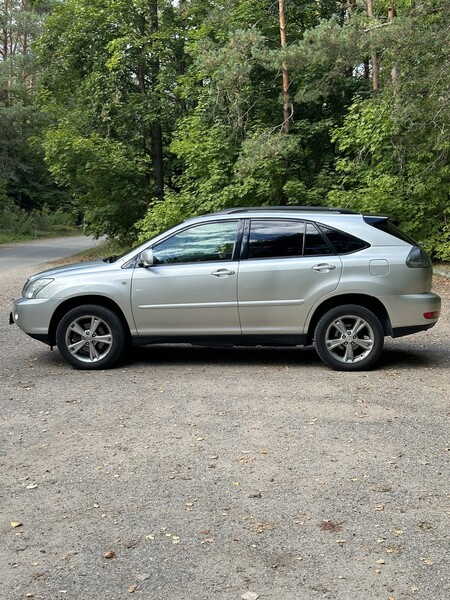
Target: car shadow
185, 354
275, 356
400, 358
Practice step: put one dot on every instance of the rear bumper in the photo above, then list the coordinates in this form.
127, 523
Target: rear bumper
401, 331
407, 312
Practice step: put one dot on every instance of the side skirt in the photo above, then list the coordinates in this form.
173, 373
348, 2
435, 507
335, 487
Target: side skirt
224, 340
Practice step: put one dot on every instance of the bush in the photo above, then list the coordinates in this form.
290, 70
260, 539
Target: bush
17, 224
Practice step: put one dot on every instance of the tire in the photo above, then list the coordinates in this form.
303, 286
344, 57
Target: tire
349, 338
91, 337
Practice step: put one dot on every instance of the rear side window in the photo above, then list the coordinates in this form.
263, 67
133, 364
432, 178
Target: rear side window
390, 228
343, 243
275, 239
315, 243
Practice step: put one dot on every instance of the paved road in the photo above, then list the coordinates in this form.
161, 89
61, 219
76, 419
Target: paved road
192, 473
14, 256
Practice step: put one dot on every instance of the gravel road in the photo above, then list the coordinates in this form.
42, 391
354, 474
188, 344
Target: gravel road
192, 473
32, 253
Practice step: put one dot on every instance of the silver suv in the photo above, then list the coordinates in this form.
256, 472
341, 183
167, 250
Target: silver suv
244, 276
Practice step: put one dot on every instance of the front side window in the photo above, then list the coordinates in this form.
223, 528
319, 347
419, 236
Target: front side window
275, 239
202, 243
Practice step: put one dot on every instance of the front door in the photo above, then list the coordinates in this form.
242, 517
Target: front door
191, 289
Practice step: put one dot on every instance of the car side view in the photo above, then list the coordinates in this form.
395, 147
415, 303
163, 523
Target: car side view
294, 276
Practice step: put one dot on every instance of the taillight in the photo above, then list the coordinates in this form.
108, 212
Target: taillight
418, 258
432, 315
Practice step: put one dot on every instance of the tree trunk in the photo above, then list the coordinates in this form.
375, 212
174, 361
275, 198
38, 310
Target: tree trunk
287, 105
156, 132
375, 70
392, 13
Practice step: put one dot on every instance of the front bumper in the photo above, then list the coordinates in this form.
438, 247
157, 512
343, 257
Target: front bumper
33, 316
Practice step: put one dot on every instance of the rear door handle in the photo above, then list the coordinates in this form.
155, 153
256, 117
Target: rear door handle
324, 268
223, 273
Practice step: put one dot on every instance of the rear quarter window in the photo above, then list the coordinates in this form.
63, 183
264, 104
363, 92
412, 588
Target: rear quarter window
391, 229
343, 243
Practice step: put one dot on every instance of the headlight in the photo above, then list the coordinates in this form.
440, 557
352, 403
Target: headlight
31, 290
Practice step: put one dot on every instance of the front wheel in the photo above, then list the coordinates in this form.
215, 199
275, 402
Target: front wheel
90, 337
349, 338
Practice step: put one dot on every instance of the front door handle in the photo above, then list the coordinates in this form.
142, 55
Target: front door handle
223, 273
324, 267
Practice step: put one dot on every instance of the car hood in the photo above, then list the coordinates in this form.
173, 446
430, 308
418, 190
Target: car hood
87, 266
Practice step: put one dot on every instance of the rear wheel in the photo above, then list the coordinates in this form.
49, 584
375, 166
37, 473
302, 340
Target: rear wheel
349, 338
90, 337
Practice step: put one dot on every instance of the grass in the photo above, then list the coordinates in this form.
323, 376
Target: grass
14, 238
109, 248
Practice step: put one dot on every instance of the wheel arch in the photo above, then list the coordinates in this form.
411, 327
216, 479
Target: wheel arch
77, 301
369, 302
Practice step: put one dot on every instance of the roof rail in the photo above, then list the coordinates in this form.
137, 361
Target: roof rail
245, 209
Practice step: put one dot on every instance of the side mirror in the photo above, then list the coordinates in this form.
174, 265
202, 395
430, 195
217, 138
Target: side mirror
146, 258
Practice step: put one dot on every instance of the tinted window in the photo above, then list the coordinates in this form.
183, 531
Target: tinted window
343, 243
272, 239
315, 243
390, 228
210, 242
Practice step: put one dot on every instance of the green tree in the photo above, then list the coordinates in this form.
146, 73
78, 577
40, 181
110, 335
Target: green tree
25, 177
231, 143
110, 87
395, 147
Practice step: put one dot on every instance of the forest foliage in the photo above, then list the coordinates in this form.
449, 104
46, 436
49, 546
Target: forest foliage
135, 114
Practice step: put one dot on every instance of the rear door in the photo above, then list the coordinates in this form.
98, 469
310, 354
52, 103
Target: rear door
286, 266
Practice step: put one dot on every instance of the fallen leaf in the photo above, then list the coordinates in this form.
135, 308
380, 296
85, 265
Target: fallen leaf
328, 525
260, 527
383, 488
250, 596
246, 459
426, 526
